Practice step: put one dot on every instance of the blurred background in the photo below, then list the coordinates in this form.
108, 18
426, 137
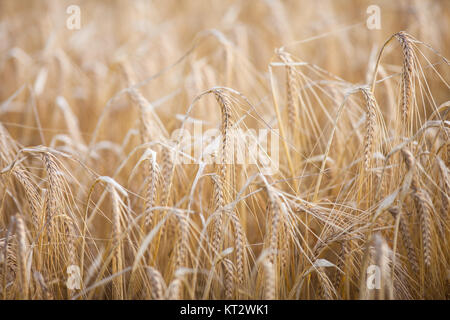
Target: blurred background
151, 35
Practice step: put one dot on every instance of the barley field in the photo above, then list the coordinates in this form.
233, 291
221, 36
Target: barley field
224, 149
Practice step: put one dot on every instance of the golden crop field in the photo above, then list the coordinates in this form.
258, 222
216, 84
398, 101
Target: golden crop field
224, 149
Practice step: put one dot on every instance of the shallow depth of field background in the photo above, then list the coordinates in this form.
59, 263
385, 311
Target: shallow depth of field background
358, 184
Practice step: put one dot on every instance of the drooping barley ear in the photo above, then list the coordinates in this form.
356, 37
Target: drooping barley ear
116, 244
8, 146
8, 259
151, 183
225, 158
139, 100
275, 212
408, 158
370, 126
424, 207
167, 175
218, 210
283, 242
291, 91
225, 107
157, 283
406, 238
174, 289
30, 194
52, 185
144, 128
149, 128
239, 242
407, 74
269, 280
325, 291
340, 265
22, 255
71, 120
182, 244
445, 190
69, 230
229, 278
411, 166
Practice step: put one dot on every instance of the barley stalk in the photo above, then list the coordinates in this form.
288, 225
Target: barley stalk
445, 190
116, 244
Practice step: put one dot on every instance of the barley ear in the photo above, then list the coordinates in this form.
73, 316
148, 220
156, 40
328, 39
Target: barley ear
22, 255
157, 283
407, 74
